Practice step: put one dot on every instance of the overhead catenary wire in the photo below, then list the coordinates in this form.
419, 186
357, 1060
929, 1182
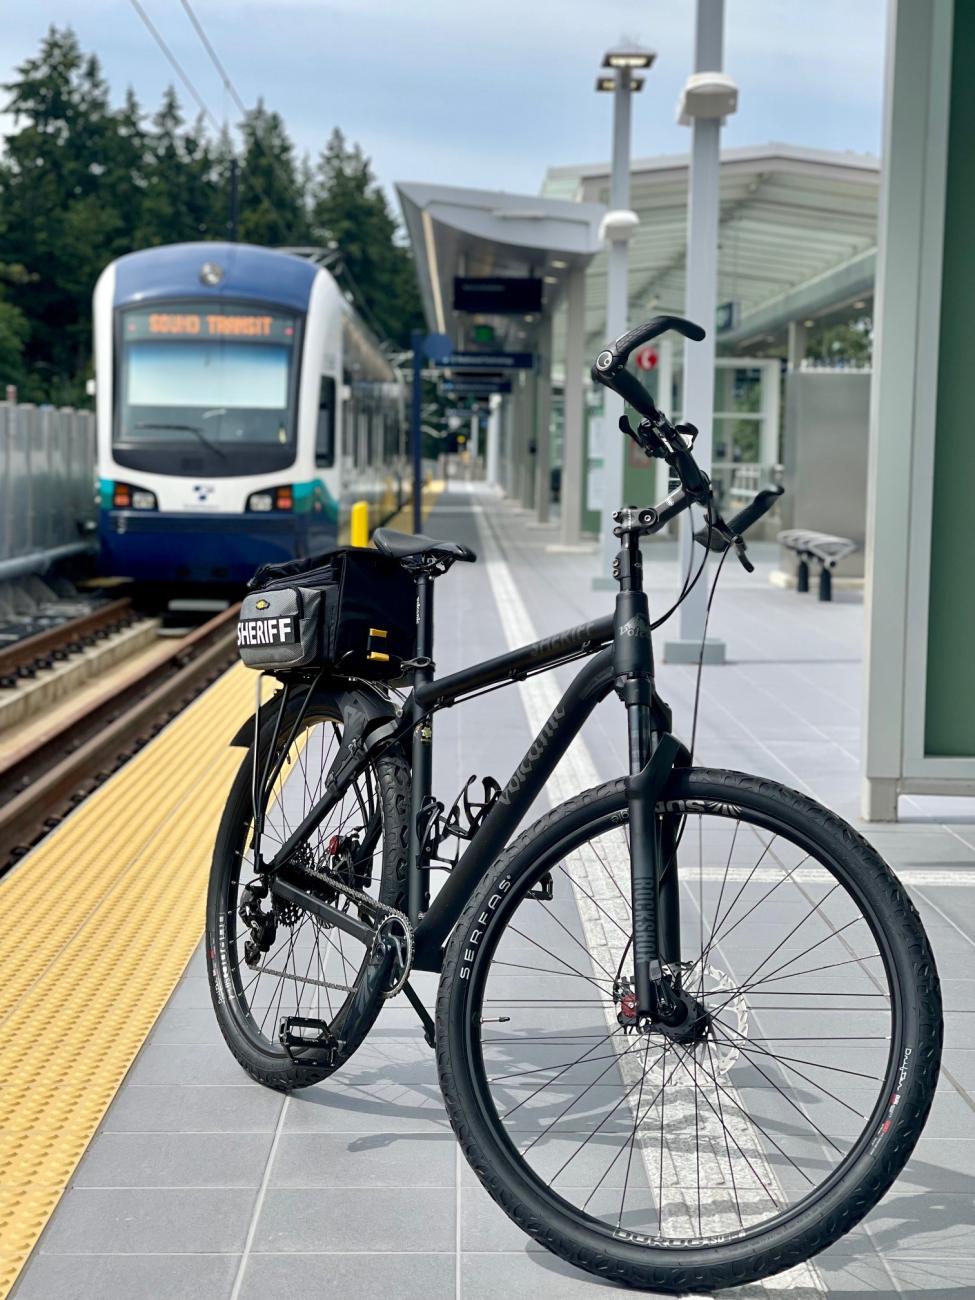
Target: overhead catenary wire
232, 91
175, 64
195, 94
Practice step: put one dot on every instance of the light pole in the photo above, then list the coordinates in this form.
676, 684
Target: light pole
617, 226
708, 97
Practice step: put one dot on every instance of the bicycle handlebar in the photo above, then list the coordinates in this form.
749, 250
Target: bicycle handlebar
610, 370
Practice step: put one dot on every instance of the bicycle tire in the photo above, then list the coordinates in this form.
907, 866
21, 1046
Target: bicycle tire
263, 1059
725, 1258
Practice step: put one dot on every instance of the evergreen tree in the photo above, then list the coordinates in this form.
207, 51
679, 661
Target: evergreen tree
271, 202
349, 207
82, 183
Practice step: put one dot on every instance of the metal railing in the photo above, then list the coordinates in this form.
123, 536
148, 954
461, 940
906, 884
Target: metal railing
47, 486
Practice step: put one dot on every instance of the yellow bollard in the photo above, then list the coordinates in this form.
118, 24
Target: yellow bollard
359, 524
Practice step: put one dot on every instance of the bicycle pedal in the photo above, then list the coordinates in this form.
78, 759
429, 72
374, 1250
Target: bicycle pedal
299, 1033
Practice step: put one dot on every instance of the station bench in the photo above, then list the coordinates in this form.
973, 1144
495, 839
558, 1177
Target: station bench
824, 547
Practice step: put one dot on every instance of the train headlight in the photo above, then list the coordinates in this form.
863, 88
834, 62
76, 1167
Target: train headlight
126, 497
279, 498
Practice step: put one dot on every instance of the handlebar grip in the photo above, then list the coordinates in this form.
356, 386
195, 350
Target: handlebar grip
610, 366
762, 503
630, 389
743, 520
625, 344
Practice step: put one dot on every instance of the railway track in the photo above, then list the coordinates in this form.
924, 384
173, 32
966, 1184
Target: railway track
54, 771
24, 658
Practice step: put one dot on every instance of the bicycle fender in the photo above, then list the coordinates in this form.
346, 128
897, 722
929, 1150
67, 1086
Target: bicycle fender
362, 708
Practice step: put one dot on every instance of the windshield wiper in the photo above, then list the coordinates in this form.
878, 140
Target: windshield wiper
183, 428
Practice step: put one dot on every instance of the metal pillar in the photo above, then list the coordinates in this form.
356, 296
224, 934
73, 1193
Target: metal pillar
493, 450
543, 421
617, 314
703, 210
528, 438
573, 438
665, 387
797, 344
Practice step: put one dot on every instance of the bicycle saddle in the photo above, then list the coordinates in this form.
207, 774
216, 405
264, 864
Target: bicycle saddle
414, 546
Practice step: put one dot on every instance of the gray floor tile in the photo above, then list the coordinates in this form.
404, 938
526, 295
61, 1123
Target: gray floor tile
360, 1219
231, 1108
364, 1160
128, 1277
381, 1108
149, 1221
412, 1277
174, 1160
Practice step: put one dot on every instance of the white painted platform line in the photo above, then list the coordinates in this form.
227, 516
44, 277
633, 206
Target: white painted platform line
577, 772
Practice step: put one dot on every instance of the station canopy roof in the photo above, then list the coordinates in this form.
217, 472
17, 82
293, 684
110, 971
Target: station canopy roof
489, 233
797, 238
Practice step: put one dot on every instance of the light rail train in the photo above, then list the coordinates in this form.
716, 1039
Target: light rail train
242, 406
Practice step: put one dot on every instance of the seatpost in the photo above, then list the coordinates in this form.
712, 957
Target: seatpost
633, 664
422, 775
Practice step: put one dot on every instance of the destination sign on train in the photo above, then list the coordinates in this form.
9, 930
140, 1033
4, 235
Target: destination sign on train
208, 323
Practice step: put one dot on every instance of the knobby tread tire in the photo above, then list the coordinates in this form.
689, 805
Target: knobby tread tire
701, 1268
274, 1071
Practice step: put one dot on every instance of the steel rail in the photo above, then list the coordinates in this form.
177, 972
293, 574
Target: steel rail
23, 658
53, 773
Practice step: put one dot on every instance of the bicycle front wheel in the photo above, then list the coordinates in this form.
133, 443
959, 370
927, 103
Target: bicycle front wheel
749, 1138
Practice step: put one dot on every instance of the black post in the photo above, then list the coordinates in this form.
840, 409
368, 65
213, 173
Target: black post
825, 583
416, 435
233, 201
802, 574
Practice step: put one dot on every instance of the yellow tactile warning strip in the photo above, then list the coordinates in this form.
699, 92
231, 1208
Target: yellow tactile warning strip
98, 925
402, 521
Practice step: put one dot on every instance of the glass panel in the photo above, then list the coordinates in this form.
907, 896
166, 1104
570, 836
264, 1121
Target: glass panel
210, 376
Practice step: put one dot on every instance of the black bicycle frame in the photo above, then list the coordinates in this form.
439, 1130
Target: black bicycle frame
619, 653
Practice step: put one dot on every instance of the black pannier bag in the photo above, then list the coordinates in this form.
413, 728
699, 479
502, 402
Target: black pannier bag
352, 611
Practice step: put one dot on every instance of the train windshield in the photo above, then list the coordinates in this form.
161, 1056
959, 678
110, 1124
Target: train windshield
205, 389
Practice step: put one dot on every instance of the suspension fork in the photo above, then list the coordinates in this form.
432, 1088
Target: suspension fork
653, 873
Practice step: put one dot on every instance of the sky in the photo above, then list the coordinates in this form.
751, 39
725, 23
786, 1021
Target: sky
486, 92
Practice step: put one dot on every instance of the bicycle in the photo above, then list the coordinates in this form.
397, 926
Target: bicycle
674, 1076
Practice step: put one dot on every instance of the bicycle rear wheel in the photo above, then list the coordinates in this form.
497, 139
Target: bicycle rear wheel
749, 1138
269, 962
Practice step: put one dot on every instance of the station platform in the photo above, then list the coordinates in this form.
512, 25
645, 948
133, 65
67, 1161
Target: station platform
137, 1160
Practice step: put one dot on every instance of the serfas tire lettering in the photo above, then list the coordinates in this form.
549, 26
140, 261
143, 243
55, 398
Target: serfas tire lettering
524, 768
267, 631
479, 927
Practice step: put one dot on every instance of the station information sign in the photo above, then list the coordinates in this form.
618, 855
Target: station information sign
496, 295
209, 321
493, 361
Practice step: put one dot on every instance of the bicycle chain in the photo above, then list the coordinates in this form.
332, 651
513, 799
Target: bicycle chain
389, 914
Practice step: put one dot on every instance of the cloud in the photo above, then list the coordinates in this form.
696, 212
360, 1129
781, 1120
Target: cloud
490, 94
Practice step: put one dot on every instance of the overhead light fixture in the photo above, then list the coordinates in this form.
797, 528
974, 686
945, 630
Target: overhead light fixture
608, 84
860, 305
558, 263
629, 56
551, 279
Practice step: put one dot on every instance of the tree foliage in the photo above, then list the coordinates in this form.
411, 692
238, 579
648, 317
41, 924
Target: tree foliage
82, 182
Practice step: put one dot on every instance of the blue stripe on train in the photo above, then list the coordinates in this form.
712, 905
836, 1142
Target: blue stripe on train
156, 546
